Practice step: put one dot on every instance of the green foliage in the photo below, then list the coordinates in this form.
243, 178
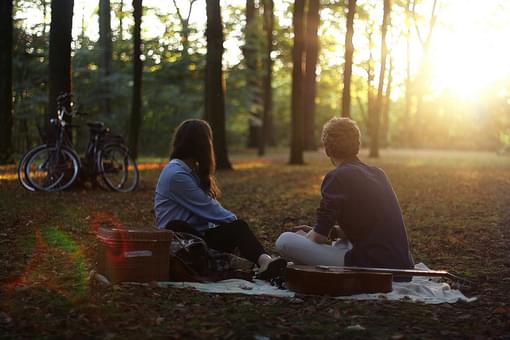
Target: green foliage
173, 80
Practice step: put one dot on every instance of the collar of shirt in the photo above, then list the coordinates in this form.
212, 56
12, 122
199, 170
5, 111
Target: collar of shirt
186, 167
182, 164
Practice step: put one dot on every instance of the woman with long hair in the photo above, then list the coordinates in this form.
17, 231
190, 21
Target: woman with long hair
187, 194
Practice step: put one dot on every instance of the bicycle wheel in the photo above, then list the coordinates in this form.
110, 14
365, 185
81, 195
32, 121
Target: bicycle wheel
49, 170
22, 165
117, 168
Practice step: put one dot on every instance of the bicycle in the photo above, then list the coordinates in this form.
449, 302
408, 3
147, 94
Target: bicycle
56, 166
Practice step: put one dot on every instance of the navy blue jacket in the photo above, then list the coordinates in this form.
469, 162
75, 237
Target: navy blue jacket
360, 199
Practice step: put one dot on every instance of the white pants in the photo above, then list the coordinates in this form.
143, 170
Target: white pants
300, 250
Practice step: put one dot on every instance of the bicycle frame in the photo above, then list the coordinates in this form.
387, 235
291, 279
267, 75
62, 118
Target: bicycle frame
56, 164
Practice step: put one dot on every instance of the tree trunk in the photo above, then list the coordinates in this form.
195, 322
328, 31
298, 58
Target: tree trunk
136, 104
386, 107
296, 143
105, 43
59, 56
349, 51
251, 58
370, 80
268, 137
185, 44
374, 142
185, 30
310, 83
422, 82
408, 93
6, 124
214, 83
44, 5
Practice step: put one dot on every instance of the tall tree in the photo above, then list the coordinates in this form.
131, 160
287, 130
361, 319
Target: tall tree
105, 43
408, 89
185, 58
6, 31
422, 81
296, 142
185, 28
367, 114
44, 5
385, 128
349, 51
251, 52
214, 83
136, 118
268, 137
60, 54
310, 81
377, 112
120, 15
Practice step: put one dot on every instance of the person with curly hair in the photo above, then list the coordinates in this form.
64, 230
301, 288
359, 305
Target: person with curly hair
358, 199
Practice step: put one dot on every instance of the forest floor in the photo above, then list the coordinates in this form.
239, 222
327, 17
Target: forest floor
456, 208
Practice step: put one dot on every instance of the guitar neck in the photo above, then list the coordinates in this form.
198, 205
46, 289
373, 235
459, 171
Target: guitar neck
395, 272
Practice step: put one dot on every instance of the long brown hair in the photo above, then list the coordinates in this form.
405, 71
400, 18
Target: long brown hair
193, 140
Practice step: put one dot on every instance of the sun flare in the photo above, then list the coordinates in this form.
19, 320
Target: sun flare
469, 54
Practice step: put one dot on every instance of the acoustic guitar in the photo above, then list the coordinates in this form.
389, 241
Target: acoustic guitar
324, 281
340, 281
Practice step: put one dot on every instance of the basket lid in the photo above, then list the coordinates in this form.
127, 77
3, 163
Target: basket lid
147, 234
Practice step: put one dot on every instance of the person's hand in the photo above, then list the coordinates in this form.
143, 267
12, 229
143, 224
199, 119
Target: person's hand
301, 228
314, 236
336, 233
301, 232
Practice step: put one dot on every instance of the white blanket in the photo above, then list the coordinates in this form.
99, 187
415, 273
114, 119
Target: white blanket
420, 289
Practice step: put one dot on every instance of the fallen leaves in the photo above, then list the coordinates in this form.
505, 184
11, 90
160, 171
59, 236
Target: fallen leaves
457, 219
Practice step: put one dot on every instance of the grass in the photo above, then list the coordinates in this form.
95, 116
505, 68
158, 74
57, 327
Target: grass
455, 206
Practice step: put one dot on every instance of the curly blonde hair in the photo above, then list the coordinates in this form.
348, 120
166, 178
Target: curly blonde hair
341, 138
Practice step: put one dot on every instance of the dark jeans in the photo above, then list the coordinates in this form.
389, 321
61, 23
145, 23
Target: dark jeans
226, 238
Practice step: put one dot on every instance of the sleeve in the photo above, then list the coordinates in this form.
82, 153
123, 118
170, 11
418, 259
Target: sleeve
326, 216
183, 189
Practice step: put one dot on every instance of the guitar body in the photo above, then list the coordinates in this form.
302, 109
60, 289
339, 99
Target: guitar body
336, 282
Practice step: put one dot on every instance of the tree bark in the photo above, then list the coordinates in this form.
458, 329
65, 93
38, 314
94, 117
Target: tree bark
268, 137
296, 143
136, 104
105, 43
422, 82
370, 80
185, 30
374, 142
44, 5
386, 107
408, 90
310, 83
252, 62
59, 56
185, 44
6, 122
214, 83
349, 51
121, 20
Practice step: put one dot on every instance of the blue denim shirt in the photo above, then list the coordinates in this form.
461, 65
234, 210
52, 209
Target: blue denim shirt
179, 197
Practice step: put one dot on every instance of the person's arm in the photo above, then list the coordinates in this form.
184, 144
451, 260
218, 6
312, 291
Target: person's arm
327, 212
316, 237
186, 192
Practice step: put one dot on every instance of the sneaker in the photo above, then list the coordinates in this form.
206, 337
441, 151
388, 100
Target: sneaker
274, 268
